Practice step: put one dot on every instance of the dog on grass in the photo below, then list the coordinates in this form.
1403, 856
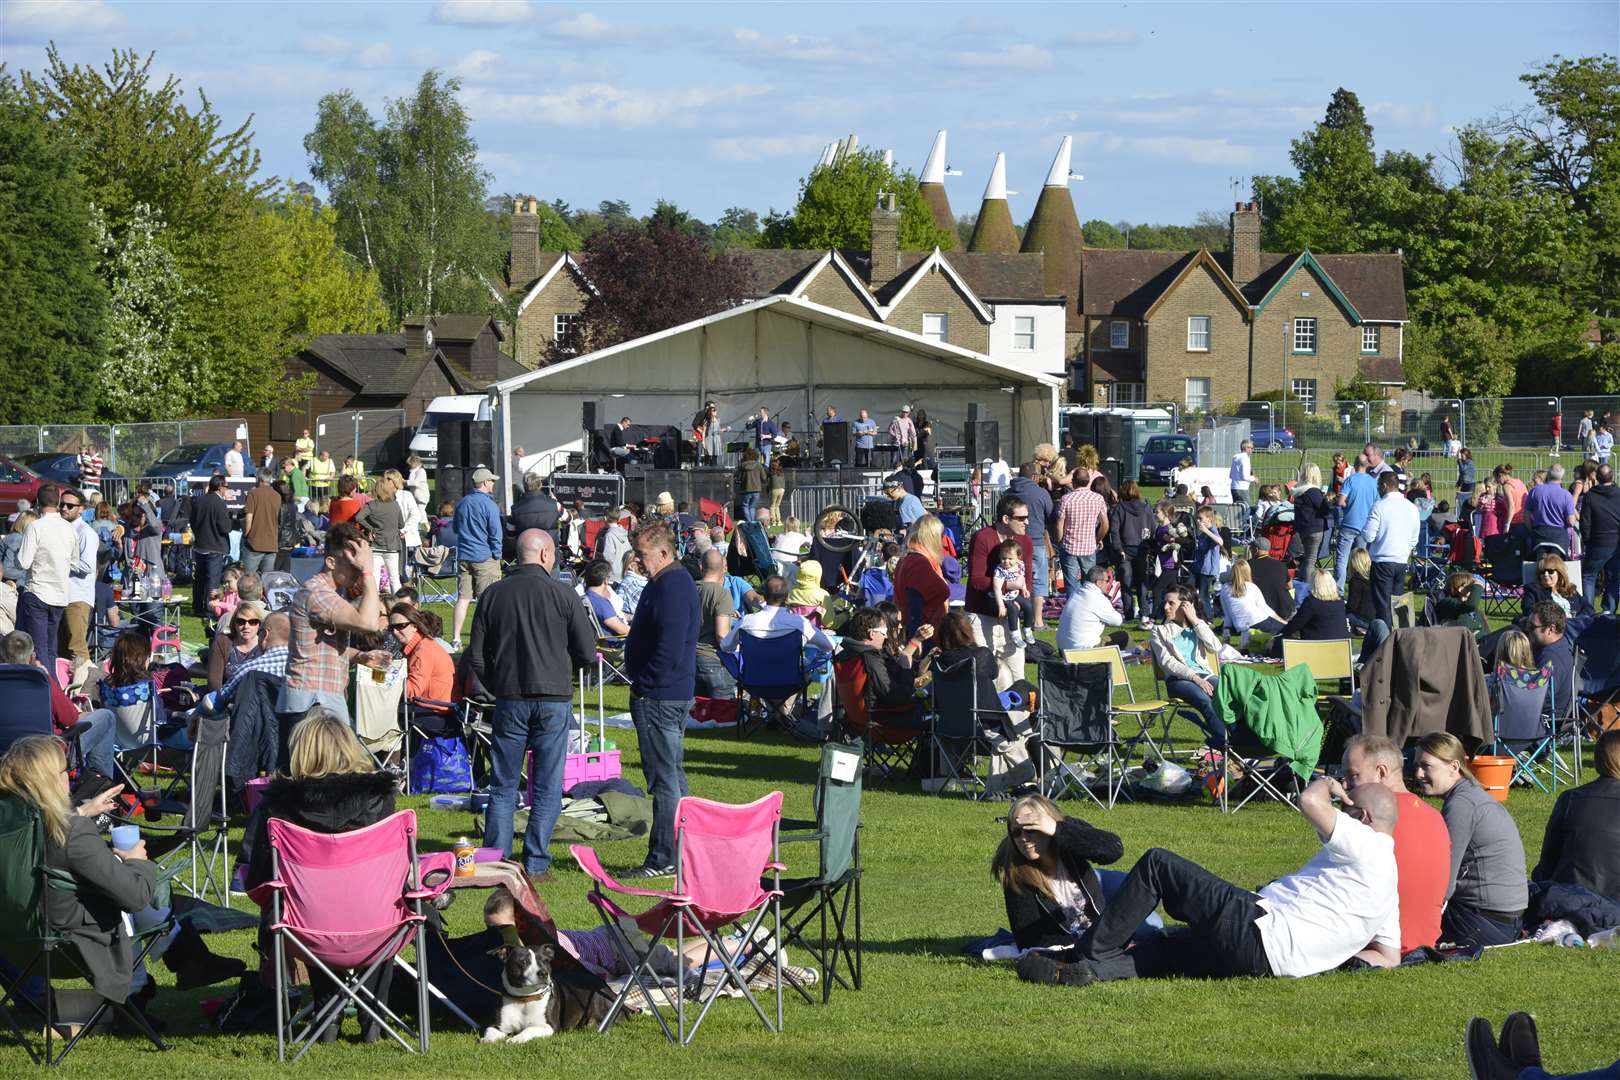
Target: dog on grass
526, 990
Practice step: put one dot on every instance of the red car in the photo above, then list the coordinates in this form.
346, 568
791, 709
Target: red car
16, 482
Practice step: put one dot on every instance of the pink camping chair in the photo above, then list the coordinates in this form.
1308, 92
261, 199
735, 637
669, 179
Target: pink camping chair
348, 903
723, 853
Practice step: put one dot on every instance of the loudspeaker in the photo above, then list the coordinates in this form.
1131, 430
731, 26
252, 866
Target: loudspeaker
453, 443
982, 439
450, 484
974, 412
1111, 437
835, 441
481, 446
880, 513
588, 416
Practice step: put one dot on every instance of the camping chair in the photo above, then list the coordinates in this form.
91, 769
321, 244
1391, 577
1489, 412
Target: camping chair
1330, 662
888, 741
1522, 724
956, 734
1268, 772
835, 890
347, 904
1074, 711
28, 941
760, 560
771, 673
727, 872
423, 719
1143, 712
436, 574
136, 707
1504, 573
609, 651
203, 830
25, 708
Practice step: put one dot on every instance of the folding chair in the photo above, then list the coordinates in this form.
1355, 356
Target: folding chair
956, 736
1073, 712
437, 579
609, 651
28, 941
888, 743
1504, 573
835, 890
424, 719
347, 904
203, 830
1523, 724
771, 673
25, 708
1143, 712
1330, 662
136, 709
727, 873
1268, 772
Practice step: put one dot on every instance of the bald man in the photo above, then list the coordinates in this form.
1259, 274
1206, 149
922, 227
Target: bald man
1341, 904
1422, 842
530, 634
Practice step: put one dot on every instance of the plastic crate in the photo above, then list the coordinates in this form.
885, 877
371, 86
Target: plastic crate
578, 769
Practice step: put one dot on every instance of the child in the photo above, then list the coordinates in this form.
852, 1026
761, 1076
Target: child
1206, 496
223, 600
1166, 553
1207, 555
1267, 504
1013, 605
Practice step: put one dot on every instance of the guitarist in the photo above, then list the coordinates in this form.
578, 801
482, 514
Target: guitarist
706, 429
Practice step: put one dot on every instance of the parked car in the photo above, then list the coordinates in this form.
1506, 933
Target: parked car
1272, 439
196, 460
64, 469
17, 481
1162, 454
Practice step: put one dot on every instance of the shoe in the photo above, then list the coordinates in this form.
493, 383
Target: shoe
1519, 1042
545, 877
1039, 967
455, 646
194, 965
139, 1003
643, 872
1485, 1060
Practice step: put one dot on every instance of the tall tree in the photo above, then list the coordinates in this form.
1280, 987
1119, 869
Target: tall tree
48, 262
149, 372
344, 151
319, 288
737, 228
836, 201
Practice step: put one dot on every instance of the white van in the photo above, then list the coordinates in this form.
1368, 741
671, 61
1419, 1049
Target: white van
425, 443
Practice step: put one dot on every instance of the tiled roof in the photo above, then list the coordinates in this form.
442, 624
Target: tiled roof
1125, 283
1376, 284
773, 270
1114, 282
1382, 369
463, 327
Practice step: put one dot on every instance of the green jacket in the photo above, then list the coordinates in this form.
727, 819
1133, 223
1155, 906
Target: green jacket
1280, 710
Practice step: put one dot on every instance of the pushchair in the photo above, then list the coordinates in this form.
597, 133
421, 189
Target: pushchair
1277, 530
758, 559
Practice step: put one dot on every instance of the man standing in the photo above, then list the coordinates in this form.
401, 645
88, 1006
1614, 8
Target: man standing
1042, 515
235, 463
536, 509
1376, 465
1391, 534
1600, 540
322, 472
660, 658
304, 448
1242, 472
324, 623
1082, 524
81, 589
904, 433
765, 432
863, 429
297, 482
909, 506
1357, 496
90, 465
268, 462
529, 636
718, 612
1422, 843
211, 543
259, 531
1549, 510
477, 523
1012, 523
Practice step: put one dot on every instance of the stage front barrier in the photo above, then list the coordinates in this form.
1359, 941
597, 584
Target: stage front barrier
806, 502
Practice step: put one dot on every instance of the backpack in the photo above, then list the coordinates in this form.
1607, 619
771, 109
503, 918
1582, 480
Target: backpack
441, 765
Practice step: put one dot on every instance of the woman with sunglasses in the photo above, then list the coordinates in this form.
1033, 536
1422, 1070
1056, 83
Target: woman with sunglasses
1053, 893
430, 674
1552, 583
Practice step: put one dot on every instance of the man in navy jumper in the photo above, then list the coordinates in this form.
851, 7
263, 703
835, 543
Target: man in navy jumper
478, 545
661, 659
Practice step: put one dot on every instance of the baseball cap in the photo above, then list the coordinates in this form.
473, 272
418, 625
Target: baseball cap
481, 475
905, 408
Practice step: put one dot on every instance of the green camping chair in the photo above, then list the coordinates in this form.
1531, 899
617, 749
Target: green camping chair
834, 894
27, 937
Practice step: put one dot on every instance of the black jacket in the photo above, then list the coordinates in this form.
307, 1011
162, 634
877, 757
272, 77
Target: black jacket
210, 524
1535, 592
1131, 521
289, 527
888, 684
536, 510
1034, 920
1582, 845
1318, 620
326, 804
1271, 576
1600, 516
530, 634
1361, 602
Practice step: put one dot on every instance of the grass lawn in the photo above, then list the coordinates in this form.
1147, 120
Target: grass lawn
927, 1012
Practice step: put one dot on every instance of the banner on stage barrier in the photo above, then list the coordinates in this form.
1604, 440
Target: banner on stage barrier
600, 492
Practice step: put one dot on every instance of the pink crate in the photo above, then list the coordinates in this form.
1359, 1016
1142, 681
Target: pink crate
579, 768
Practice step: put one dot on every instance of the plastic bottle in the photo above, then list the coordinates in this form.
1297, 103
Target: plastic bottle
1605, 939
1571, 941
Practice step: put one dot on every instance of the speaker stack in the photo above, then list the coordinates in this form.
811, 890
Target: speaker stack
982, 439
835, 442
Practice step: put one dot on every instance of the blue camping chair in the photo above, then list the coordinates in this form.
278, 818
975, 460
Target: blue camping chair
876, 586
760, 560
25, 708
771, 671
1524, 726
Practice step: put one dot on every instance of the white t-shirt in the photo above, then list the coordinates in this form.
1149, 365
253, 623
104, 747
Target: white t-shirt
1333, 906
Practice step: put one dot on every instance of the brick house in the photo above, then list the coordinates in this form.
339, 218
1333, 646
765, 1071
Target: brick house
1206, 329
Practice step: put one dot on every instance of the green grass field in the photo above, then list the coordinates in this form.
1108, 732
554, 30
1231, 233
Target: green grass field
928, 1012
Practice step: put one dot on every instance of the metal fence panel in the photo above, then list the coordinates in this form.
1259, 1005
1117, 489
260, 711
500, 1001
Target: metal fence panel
219, 430
1335, 424
1598, 410
377, 437
70, 438
18, 440
137, 446
1512, 422
1218, 444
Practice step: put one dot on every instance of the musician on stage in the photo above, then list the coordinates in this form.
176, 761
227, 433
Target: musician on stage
706, 429
862, 430
765, 432
619, 445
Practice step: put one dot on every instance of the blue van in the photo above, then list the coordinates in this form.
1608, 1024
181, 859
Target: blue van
1163, 454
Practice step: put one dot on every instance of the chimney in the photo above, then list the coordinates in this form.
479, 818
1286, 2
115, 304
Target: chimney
885, 241
418, 339
1245, 242
525, 243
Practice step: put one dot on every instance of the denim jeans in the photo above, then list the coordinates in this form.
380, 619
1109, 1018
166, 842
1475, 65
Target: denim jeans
1466, 925
97, 743
1377, 632
206, 569
40, 621
295, 703
1040, 569
713, 680
750, 501
1075, 569
1193, 694
257, 562
1343, 543
1309, 545
520, 725
660, 728
1596, 561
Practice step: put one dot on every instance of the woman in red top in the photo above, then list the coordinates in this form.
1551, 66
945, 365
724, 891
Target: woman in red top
919, 587
430, 674
348, 502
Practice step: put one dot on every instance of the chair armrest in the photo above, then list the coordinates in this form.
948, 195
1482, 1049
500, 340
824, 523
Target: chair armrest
433, 703
73, 733
795, 824
592, 865
801, 837
433, 864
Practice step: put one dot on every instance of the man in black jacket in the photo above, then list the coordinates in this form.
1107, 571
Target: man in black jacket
530, 633
535, 510
210, 543
1600, 540
1271, 577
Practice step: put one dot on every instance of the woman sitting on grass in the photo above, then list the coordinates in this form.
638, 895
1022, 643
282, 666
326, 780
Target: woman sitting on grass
1051, 890
1320, 618
1461, 603
1552, 582
1244, 609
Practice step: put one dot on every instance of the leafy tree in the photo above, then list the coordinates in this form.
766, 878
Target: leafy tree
344, 154
1101, 234
648, 280
835, 207
48, 262
555, 232
317, 286
737, 228
666, 215
148, 372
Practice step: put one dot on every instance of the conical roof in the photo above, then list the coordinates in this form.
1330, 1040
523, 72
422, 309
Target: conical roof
1054, 231
931, 184
994, 231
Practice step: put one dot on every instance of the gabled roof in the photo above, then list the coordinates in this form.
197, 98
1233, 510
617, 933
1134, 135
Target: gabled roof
1376, 283
353, 356
773, 270
464, 327
851, 276
1116, 282
1308, 261
1200, 258
558, 261
898, 289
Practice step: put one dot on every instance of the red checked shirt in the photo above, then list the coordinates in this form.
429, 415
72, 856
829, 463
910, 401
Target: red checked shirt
1080, 512
316, 657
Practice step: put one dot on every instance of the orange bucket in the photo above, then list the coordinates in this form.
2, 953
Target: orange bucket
1495, 774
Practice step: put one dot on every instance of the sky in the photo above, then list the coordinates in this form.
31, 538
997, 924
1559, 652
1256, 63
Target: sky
721, 105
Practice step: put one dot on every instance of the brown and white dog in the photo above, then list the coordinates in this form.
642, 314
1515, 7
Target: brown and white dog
526, 990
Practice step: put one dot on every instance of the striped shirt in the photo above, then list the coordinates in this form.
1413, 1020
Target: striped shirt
1079, 514
273, 660
316, 657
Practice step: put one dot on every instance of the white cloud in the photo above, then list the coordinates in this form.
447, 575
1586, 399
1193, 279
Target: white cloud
38, 19
758, 148
1022, 56
1096, 39
324, 44
480, 65
803, 49
1197, 151
1403, 115
482, 12
582, 27
377, 54
603, 105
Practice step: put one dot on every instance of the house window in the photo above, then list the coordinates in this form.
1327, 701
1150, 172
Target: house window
1119, 334
1369, 339
1197, 395
1127, 393
1304, 391
1198, 333
935, 326
1304, 335
565, 329
1023, 333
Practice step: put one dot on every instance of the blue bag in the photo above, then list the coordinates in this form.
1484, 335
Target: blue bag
441, 765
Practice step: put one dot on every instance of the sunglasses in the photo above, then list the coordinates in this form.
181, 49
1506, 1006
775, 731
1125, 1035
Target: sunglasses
1025, 832
397, 627
249, 622
1548, 570
71, 505
1020, 517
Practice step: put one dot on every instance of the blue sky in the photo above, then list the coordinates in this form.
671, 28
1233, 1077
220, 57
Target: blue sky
719, 105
